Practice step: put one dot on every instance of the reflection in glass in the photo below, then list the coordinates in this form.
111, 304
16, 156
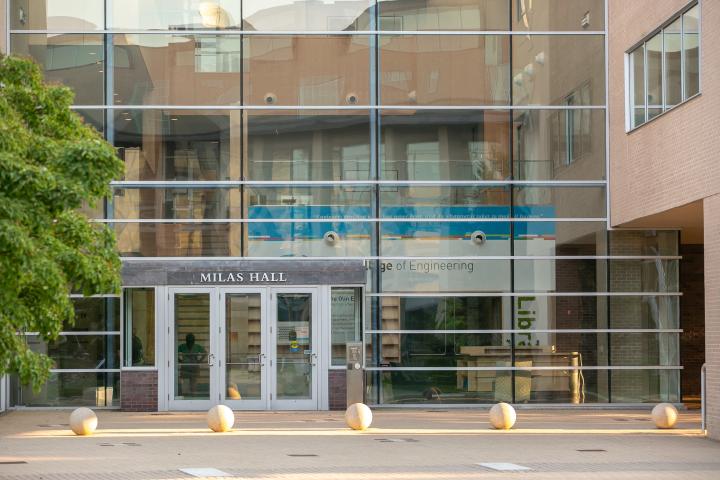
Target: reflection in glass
243, 346
549, 15
294, 347
308, 145
637, 82
652, 275
645, 312
444, 145
307, 239
174, 15
310, 70
645, 386
176, 69
638, 349
79, 351
691, 46
328, 15
77, 15
547, 69
653, 53
74, 60
309, 202
396, 15
560, 275
445, 239
178, 239
426, 276
444, 202
572, 386
559, 202
95, 314
345, 321
672, 49
191, 346
644, 242
444, 70
179, 144
559, 144
560, 238
65, 389
176, 203
139, 327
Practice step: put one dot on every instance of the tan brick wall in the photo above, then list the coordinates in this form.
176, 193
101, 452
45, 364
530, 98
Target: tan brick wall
712, 312
672, 160
3, 29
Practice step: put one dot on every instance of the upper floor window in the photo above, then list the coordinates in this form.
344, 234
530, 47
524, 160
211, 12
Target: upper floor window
664, 69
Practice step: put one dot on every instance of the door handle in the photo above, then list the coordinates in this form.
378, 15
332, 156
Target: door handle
261, 359
211, 359
313, 357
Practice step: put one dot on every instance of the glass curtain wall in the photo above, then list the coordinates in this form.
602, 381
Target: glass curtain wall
457, 145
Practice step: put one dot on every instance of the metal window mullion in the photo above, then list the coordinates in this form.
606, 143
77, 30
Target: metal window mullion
683, 97
645, 81
340, 107
310, 33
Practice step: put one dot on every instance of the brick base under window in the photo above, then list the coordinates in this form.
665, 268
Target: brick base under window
139, 391
337, 390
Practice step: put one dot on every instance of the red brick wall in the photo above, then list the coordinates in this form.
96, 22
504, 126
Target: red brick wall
337, 391
138, 390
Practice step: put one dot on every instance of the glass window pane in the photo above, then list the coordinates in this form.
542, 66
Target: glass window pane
444, 202
444, 145
440, 387
559, 202
79, 351
306, 70
291, 15
653, 48
178, 239
560, 275
77, 15
95, 314
646, 311
644, 242
546, 69
548, 15
691, 46
307, 145
485, 15
345, 321
645, 386
639, 349
75, 60
308, 239
69, 390
444, 69
139, 338
179, 144
176, 203
561, 386
559, 144
309, 203
560, 238
176, 69
541, 312
444, 239
673, 72
637, 81
652, 275
426, 276
443, 349
174, 14
93, 118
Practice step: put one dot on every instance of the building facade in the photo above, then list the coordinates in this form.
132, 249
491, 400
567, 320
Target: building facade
427, 179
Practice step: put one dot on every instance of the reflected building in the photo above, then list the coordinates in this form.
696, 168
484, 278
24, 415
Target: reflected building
425, 179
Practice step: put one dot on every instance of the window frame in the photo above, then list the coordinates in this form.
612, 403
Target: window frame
629, 78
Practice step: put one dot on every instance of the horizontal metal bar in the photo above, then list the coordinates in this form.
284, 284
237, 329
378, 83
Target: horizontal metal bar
249, 33
346, 220
564, 330
104, 295
71, 333
335, 183
521, 369
84, 370
525, 294
339, 107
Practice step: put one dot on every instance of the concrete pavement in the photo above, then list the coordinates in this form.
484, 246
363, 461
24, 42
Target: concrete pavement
415, 444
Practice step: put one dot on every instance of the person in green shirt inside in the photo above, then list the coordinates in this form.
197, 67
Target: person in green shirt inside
190, 356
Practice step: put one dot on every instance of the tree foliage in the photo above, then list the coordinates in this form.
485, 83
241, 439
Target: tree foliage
51, 163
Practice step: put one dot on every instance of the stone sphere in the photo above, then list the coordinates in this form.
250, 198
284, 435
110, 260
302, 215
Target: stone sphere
220, 418
664, 415
358, 416
502, 416
83, 421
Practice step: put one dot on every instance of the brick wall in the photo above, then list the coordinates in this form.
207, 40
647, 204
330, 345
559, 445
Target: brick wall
337, 393
712, 311
692, 319
138, 390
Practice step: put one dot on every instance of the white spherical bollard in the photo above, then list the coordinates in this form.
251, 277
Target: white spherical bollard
664, 415
502, 416
358, 416
220, 418
83, 421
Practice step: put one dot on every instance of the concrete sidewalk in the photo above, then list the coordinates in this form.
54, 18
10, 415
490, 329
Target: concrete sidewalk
415, 444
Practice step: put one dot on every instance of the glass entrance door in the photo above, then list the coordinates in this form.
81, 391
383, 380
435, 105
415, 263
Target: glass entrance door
294, 378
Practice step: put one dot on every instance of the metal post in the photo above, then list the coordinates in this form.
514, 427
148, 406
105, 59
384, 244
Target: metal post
703, 379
